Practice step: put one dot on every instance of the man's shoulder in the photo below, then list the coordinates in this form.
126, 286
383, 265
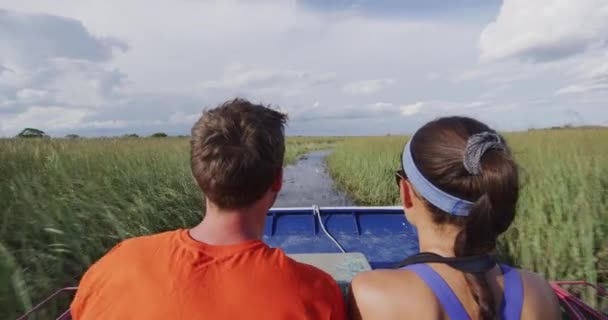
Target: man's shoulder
121, 264
124, 259
145, 241
132, 249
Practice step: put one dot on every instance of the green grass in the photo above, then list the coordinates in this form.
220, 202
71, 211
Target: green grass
298, 146
562, 218
63, 203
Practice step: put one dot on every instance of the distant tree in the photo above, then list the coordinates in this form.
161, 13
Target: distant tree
32, 133
159, 135
131, 135
72, 136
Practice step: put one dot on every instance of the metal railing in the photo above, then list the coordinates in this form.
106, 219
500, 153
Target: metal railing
64, 316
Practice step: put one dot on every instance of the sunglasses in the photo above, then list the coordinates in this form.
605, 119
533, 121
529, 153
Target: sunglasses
399, 175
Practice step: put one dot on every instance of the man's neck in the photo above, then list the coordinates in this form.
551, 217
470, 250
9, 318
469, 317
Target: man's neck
227, 227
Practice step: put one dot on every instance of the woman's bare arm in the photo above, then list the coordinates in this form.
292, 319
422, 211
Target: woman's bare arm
540, 300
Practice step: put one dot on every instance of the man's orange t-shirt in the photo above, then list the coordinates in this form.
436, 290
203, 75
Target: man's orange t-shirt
172, 276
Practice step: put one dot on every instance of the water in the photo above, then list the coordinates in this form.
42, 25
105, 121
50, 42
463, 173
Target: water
307, 182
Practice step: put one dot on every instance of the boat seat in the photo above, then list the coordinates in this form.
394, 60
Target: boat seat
341, 266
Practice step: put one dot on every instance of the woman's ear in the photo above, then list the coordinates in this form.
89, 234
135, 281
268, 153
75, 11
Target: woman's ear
407, 193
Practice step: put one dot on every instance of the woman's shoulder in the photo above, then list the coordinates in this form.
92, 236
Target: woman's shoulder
388, 294
539, 298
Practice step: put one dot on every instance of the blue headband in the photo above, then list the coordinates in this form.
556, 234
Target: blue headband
440, 199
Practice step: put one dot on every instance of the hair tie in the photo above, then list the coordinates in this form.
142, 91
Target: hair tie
477, 145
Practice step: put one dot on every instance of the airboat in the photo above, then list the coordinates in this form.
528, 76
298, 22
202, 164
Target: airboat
344, 241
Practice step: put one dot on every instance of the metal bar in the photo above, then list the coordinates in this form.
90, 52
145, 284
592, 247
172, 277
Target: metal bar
65, 316
599, 289
273, 224
574, 304
565, 298
315, 227
382, 208
357, 223
49, 298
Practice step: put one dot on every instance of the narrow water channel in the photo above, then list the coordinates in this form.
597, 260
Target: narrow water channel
307, 182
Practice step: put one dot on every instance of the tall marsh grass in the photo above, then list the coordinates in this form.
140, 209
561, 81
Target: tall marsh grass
562, 220
63, 203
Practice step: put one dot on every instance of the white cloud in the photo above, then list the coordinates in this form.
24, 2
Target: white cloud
494, 92
118, 124
417, 108
197, 58
544, 30
328, 66
411, 109
582, 88
54, 69
382, 107
66, 38
83, 84
31, 96
59, 119
502, 73
55, 61
43, 118
591, 76
436, 108
269, 79
373, 110
387, 109
181, 118
367, 87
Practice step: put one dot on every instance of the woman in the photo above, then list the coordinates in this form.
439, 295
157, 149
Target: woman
459, 187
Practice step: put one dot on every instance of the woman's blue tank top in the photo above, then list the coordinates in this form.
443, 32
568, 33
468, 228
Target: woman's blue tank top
513, 297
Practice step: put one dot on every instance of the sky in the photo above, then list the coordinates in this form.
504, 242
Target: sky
336, 67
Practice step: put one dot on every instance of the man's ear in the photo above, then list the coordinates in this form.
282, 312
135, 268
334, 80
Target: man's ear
406, 193
278, 181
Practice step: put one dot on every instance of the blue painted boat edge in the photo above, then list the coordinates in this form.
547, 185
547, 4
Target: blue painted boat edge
381, 233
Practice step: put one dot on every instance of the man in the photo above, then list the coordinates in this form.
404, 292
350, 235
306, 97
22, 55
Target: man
219, 269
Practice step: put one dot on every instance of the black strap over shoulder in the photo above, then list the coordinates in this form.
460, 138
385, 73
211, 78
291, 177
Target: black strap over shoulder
473, 264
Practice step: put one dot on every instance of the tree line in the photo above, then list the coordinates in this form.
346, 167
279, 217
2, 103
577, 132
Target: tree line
37, 133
